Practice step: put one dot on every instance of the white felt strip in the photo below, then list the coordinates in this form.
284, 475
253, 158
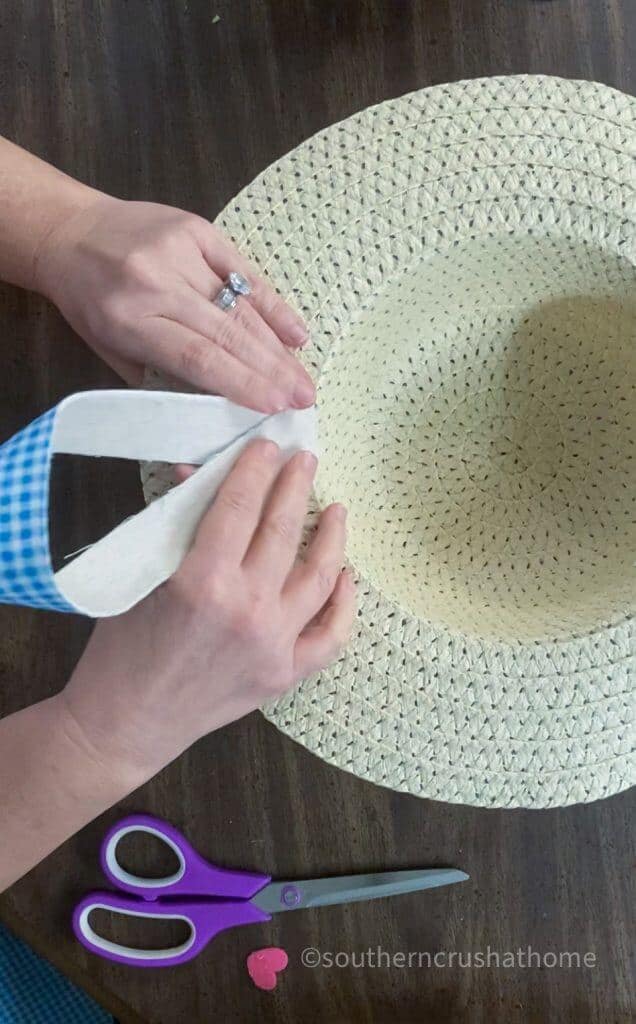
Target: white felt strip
142, 552
160, 426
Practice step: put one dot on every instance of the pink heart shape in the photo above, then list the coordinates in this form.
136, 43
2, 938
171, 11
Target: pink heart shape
264, 964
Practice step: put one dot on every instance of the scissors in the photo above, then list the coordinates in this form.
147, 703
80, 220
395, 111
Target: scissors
210, 899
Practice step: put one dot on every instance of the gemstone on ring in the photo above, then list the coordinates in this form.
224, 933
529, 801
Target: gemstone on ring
226, 299
239, 284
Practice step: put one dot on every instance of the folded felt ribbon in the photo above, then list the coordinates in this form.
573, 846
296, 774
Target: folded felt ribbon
143, 551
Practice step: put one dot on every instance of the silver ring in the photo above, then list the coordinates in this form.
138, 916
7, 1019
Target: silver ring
239, 284
235, 285
226, 299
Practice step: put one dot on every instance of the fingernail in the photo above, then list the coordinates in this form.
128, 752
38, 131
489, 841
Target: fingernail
348, 579
339, 511
308, 460
304, 394
279, 403
299, 335
270, 450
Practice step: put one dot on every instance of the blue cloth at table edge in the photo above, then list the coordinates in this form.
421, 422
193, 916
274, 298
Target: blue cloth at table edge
32, 991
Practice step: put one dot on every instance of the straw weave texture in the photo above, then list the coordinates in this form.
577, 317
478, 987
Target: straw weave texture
466, 259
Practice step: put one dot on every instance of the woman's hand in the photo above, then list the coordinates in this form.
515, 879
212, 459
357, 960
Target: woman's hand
238, 624
137, 280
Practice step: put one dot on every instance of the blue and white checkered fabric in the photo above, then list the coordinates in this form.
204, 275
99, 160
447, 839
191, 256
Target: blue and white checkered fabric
26, 570
33, 992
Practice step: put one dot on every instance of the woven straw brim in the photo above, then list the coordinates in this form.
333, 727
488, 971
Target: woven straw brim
465, 257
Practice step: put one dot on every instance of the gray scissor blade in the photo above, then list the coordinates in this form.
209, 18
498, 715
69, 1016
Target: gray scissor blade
321, 892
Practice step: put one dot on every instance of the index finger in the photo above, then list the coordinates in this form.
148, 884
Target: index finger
273, 550
227, 528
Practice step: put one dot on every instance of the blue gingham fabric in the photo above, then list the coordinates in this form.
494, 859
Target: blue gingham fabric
26, 570
32, 991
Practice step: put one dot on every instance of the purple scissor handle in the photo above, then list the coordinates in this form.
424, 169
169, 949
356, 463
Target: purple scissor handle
209, 899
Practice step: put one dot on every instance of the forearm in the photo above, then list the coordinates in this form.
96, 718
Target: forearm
51, 784
34, 199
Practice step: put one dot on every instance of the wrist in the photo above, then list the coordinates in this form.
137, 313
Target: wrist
101, 748
66, 208
115, 702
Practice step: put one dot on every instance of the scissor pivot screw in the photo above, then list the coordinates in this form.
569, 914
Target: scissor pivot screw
290, 896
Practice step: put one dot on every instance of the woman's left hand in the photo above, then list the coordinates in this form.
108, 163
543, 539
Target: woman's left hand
136, 280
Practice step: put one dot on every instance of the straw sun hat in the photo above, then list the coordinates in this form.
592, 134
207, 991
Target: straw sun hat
466, 259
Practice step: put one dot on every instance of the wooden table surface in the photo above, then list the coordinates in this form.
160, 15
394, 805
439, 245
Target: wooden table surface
167, 102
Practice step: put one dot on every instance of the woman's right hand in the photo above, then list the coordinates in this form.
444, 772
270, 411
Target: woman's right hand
240, 622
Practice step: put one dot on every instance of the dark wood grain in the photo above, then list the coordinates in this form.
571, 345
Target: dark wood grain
157, 100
